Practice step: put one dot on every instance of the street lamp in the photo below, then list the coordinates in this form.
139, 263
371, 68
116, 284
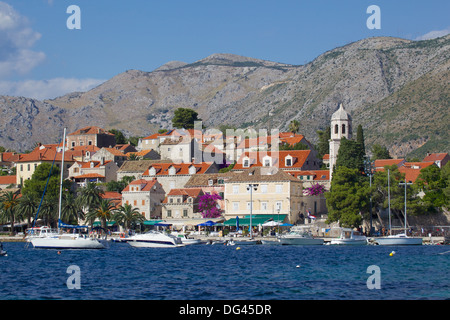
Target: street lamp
251, 187
369, 169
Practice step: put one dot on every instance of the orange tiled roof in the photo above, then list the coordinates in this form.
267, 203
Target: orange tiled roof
412, 169
319, 175
185, 192
435, 157
89, 176
7, 180
90, 130
278, 159
146, 185
182, 168
46, 154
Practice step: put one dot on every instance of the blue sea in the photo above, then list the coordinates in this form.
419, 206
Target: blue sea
205, 272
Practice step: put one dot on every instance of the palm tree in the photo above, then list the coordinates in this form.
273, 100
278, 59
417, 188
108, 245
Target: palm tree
49, 211
70, 208
294, 126
28, 206
127, 215
8, 207
103, 211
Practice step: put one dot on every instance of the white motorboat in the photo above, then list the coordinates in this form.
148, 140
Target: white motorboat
275, 242
154, 239
300, 236
185, 240
350, 237
66, 241
398, 240
243, 242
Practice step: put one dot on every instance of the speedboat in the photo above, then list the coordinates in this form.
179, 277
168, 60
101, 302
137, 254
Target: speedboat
300, 237
154, 239
185, 240
398, 240
350, 237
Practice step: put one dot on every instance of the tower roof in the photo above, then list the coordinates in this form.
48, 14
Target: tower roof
341, 114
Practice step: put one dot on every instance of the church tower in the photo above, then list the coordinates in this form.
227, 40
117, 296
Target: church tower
341, 126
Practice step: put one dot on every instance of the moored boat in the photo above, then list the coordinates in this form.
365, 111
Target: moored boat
154, 239
398, 240
349, 237
300, 236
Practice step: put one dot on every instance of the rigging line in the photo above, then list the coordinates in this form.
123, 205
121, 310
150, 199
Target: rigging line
46, 184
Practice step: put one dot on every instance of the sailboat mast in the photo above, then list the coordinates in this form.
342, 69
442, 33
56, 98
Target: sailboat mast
62, 174
389, 202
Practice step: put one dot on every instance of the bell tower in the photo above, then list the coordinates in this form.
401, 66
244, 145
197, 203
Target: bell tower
341, 126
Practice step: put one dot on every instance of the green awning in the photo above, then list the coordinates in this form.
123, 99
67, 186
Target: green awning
108, 223
256, 219
152, 222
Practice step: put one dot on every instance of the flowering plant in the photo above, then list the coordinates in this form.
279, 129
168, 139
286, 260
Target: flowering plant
208, 206
314, 190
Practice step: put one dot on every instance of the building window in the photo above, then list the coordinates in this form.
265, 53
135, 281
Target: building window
343, 129
178, 200
264, 206
170, 200
249, 205
185, 213
169, 213
29, 167
336, 129
143, 202
135, 202
246, 163
235, 189
235, 206
278, 206
288, 162
264, 188
279, 188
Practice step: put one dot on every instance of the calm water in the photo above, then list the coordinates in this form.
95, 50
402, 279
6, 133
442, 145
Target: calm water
205, 272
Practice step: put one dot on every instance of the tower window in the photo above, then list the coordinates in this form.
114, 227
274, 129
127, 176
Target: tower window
343, 129
336, 129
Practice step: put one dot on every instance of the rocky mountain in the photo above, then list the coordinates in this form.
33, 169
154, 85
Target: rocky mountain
397, 89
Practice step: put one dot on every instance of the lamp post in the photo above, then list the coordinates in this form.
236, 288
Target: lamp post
369, 170
251, 187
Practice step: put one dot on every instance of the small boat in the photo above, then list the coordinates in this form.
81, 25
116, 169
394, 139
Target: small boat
245, 242
350, 237
3, 253
154, 239
275, 242
300, 236
398, 240
185, 240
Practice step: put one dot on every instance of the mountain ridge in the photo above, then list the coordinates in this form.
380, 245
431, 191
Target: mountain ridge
245, 92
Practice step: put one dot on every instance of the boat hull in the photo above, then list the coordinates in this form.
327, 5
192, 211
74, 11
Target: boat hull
301, 241
398, 241
153, 244
58, 243
348, 242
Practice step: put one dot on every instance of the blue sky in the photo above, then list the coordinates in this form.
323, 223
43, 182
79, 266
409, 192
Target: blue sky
40, 57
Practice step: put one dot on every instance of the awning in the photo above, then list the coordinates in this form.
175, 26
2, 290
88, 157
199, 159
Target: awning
152, 222
256, 219
208, 223
108, 223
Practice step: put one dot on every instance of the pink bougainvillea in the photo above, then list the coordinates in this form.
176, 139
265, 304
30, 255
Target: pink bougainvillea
314, 190
207, 205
